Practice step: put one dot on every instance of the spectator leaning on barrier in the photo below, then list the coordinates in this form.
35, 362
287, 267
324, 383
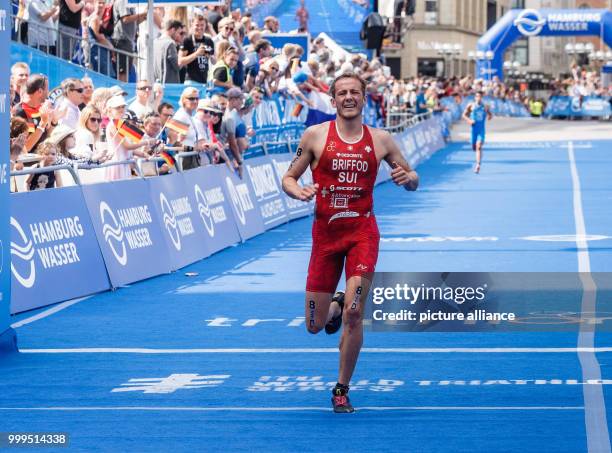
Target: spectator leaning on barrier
189, 103
99, 43
142, 104
196, 51
233, 128
47, 180
124, 35
41, 30
166, 67
261, 50
152, 129
69, 26
19, 78
37, 110
73, 97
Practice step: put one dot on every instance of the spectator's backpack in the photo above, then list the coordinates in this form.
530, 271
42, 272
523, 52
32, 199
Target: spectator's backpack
108, 20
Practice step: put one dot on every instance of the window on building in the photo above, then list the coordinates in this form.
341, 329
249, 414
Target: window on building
517, 4
519, 52
430, 67
431, 12
491, 13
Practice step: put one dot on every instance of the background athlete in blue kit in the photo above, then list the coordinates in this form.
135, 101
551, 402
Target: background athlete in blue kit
476, 114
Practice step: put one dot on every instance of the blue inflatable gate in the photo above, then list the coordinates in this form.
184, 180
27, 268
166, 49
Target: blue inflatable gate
537, 22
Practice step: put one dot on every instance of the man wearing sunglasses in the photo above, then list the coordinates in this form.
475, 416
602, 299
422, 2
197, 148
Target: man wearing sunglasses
141, 106
73, 97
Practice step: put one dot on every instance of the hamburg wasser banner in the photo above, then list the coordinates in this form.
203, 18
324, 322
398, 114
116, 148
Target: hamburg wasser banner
215, 218
55, 253
128, 230
177, 213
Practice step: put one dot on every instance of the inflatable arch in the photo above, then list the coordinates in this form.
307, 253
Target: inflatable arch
517, 23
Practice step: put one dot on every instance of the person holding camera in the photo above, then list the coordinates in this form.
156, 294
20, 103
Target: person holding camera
196, 51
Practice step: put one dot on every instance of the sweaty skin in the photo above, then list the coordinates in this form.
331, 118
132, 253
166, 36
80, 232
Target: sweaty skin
348, 100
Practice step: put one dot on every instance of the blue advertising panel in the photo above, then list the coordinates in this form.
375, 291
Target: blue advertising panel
53, 249
595, 106
6, 334
243, 203
215, 217
295, 208
278, 40
260, 174
178, 217
129, 234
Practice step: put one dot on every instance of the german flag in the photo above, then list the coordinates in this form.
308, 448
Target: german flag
128, 130
177, 126
168, 158
297, 110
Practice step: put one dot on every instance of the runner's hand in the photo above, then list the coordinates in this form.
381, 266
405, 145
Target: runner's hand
401, 177
307, 193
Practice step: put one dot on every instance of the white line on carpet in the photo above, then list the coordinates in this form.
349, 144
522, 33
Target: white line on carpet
293, 409
311, 350
598, 438
49, 312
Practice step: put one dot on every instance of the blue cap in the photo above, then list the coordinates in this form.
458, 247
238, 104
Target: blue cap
300, 77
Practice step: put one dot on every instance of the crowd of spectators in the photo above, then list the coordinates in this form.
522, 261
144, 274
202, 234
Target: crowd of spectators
228, 68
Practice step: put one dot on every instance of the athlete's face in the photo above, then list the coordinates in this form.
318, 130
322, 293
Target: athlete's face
348, 99
478, 98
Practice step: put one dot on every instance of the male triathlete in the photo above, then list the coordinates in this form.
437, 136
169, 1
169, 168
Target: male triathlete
344, 156
476, 114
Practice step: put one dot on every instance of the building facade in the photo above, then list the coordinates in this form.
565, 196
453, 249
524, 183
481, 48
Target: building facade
460, 23
442, 23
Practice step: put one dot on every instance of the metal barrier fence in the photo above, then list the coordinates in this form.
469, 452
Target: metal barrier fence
67, 45
256, 150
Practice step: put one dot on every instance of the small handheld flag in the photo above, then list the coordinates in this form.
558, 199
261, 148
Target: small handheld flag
168, 158
297, 110
177, 126
127, 130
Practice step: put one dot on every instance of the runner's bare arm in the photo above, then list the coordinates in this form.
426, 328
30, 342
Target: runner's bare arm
489, 114
401, 173
303, 157
466, 114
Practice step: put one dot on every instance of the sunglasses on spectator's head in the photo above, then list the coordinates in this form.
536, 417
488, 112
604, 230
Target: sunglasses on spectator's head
193, 99
78, 90
144, 88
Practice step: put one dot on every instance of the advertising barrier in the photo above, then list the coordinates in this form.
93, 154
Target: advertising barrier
126, 231
295, 208
175, 207
574, 107
215, 216
243, 203
129, 233
55, 253
268, 191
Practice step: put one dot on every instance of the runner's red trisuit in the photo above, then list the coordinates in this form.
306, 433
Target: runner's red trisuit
344, 225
